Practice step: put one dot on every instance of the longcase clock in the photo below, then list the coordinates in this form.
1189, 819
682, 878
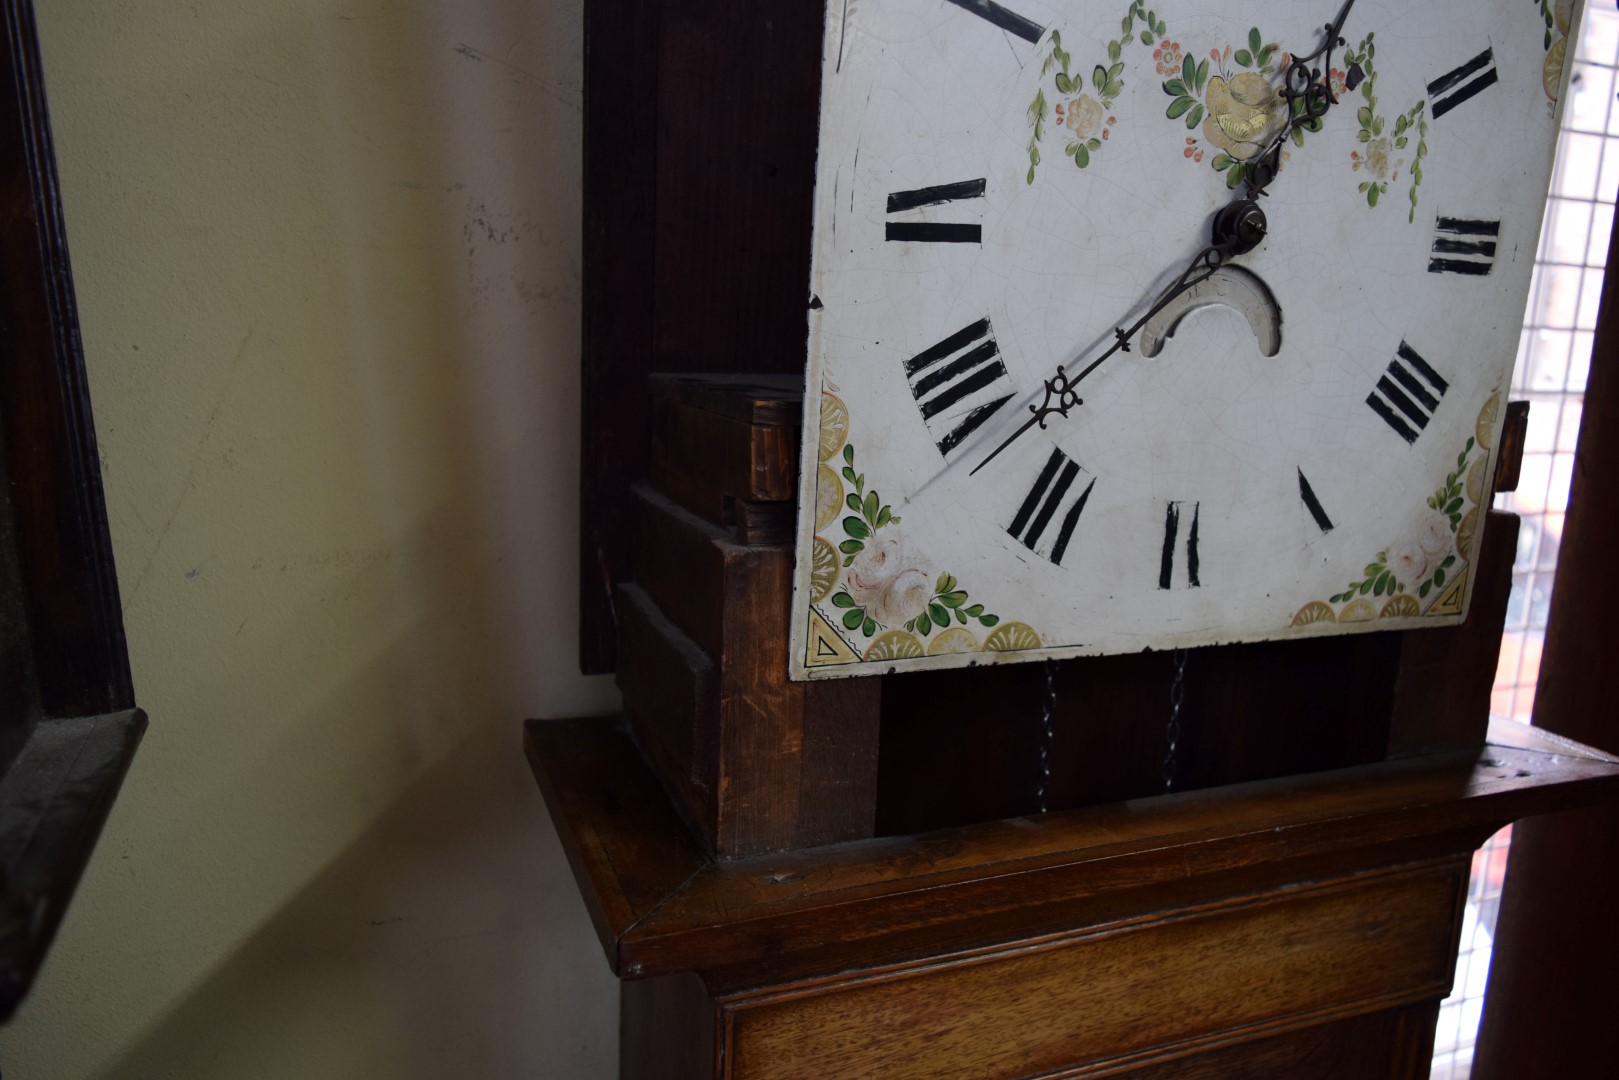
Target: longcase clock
1127, 329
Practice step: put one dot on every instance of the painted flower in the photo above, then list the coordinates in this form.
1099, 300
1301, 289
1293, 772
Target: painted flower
1169, 57
872, 570
1084, 116
1245, 114
879, 581
1410, 564
1376, 158
1339, 84
1434, 536
904, 597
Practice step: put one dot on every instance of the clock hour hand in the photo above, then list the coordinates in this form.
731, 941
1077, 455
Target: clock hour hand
1238, 228
1308, 96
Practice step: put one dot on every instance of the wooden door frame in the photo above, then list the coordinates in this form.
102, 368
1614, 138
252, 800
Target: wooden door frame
68, 721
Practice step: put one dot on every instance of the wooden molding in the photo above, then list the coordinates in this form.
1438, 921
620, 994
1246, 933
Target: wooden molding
68, 725
49, 441
661, 906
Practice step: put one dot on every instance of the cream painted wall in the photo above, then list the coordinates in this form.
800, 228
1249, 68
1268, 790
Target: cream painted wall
327, 255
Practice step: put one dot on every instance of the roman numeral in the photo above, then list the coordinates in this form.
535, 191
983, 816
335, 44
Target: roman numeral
1172, 526
1464, 246
935, 232
1407, 394
1009, 21
959, 383
1053, 500
1313, 504
1449, 91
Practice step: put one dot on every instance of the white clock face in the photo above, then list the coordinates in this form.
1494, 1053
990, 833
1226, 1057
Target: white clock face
1299, 446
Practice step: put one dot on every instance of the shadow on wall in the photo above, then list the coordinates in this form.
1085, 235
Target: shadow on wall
428, 946
349, 554
423, 951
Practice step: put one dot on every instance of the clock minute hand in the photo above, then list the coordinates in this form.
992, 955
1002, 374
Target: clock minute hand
1238, 228
1308, 96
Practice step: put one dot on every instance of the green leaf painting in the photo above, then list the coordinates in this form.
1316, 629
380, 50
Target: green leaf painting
1232, 108
1229, 102
1382, 155
1082, 110
1405, 578
876, 584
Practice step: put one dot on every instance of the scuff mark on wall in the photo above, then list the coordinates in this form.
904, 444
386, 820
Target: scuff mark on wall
190, 483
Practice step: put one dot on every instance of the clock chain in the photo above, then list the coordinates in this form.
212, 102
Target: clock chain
1177, 695
1048, 734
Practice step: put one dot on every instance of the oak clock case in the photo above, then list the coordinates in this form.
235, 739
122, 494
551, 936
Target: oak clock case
1297, 444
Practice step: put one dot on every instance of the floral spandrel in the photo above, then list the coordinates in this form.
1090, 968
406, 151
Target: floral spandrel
871, 587
1080, 106
1424, 571
1381, 154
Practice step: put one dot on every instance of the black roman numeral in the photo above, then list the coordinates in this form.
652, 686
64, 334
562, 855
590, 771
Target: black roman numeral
1407, 394
959, 383
1449, 91
1464, 246
1172, 526
935, 232
1313, 504
1009, 21
1053, 494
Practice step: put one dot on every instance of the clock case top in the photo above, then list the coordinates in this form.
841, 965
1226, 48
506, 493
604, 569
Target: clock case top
697, 249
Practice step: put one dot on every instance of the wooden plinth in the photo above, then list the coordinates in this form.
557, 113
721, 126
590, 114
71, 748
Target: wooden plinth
1304, 926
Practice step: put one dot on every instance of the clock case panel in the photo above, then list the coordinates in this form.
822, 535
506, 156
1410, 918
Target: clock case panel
697, 250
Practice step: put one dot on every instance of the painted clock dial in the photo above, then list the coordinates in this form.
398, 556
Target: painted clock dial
1299, 445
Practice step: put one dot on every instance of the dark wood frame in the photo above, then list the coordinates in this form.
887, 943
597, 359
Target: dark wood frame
68, 721
696, 234
1554, 971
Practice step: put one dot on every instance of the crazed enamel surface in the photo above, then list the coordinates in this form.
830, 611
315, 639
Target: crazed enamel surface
999, 191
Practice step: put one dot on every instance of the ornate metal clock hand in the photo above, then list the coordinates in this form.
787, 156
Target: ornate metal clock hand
1238, 228
1308, 95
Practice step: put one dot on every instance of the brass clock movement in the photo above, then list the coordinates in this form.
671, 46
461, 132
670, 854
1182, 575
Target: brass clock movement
1159, 326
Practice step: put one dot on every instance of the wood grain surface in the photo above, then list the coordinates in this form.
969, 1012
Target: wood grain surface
756, 762
1157, 988
704, 460
696, 233
1442, 698
1554, 975
889, 900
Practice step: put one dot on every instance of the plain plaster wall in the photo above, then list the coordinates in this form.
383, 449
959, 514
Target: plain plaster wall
327, 255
